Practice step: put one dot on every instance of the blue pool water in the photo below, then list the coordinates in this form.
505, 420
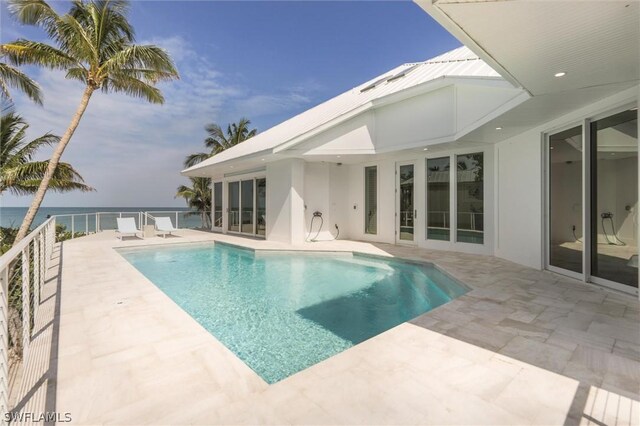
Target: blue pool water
283, 312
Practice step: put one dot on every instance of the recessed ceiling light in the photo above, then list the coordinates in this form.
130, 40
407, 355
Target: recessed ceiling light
550, 147
262, 159
498, 128
426, 149
560, 74
337, 156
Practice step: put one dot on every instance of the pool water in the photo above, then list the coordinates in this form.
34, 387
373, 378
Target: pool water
283, 312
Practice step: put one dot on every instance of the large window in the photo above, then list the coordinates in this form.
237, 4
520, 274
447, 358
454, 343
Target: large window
438, 194
371, 200
470, 198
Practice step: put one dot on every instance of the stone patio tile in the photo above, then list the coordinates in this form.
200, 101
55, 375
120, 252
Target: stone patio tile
549, 391
492, 312
570, 338
524, 329
605, 308
587, 295
555, 318
627, 349
483, 335
617, 328
554, 302
540, 354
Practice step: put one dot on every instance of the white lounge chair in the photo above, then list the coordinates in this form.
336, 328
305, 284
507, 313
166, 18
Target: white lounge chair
127, 225
164, 226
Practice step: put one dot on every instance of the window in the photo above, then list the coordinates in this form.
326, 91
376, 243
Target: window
438, 195
470, 198
371, 200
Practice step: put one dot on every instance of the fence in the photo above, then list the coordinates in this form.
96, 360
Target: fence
22, 276
89, 223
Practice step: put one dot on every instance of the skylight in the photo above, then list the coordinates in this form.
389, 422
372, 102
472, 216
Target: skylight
374, 84
403, 72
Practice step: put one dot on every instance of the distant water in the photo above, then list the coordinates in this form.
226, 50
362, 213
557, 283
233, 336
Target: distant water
12, 216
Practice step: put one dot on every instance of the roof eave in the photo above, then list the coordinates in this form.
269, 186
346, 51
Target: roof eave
432, 8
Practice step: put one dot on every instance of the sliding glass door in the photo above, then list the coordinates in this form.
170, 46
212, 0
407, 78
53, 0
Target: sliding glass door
614, 198
565, 200
247, 207
438, 199
233, 221
406, 211
592, 201
217, 205
261, 206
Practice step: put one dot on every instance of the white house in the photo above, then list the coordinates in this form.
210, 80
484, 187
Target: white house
523, 144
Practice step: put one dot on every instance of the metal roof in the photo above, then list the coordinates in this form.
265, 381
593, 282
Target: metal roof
460, 62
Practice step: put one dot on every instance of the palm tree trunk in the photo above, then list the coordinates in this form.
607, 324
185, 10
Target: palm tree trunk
53, 163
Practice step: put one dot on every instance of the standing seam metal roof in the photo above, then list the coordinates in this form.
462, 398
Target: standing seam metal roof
460, 62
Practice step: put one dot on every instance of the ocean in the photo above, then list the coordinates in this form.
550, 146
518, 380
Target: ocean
85, 219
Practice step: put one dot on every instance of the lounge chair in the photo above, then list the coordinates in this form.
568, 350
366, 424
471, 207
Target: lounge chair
164, 226
127, 225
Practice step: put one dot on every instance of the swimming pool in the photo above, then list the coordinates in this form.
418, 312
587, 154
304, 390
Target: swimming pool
281, 312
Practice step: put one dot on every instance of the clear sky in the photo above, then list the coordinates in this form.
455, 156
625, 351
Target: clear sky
266, 61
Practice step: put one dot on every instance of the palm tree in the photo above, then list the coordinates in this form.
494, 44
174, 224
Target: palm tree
13, 77
218, 140
198, 197
93, 43
18, 173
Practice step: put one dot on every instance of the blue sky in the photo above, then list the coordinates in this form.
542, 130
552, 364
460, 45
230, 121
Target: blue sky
266, 61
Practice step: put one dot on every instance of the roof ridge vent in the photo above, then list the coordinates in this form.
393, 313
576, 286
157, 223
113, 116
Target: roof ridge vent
450, 60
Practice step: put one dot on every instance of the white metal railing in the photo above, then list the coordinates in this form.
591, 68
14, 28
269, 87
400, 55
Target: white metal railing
467, 221
88, 223
22, 276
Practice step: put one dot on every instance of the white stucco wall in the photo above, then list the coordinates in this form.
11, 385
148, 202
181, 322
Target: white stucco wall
285, 201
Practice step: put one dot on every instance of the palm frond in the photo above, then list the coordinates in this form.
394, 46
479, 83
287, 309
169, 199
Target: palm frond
140, 57
118, 82
194, 159
22, 52
12, 77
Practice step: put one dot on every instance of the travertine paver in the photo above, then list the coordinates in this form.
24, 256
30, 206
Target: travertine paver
523, 347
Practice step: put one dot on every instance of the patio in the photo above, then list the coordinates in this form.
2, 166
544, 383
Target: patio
523, 347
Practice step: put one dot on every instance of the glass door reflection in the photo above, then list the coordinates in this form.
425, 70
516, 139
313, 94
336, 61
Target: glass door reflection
565, 199
614, 198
